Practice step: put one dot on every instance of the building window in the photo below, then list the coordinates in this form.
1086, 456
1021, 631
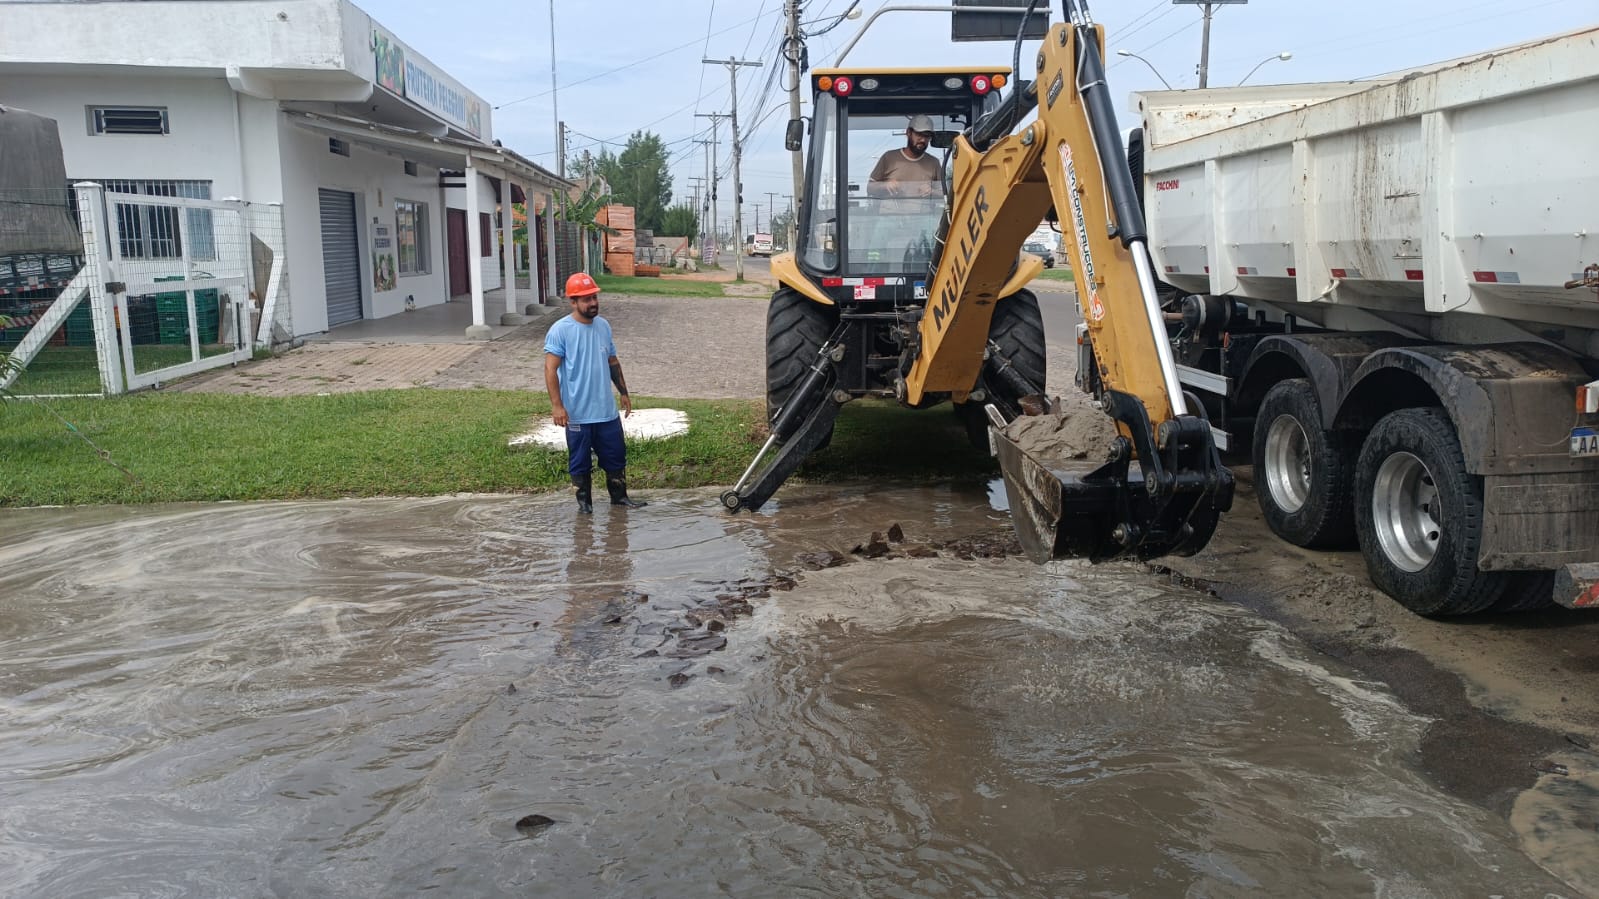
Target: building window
410, 169
150, 230
485, 232
128, 120
338, 147
411, 236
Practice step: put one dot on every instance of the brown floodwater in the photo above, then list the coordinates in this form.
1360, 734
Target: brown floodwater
367, 697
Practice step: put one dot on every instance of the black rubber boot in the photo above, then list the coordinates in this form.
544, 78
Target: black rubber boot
585, 491
616, 483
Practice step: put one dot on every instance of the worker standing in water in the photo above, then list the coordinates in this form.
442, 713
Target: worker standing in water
580, 368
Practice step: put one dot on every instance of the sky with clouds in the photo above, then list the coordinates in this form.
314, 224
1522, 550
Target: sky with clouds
626, 65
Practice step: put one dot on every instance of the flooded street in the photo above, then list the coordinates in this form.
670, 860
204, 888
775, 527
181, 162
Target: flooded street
487, 695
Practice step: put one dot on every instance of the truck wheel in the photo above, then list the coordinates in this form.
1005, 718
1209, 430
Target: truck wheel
1304, 474
1018, 329
1419, 516
796, 328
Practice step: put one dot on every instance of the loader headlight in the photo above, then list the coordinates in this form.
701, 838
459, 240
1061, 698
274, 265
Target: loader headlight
954, 84
868, 84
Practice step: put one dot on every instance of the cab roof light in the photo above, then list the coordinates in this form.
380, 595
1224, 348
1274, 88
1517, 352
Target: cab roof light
824, 83
843, 86
998, 81
981, 84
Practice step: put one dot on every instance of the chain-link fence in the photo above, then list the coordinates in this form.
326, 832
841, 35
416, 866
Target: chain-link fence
40, 255
161, 283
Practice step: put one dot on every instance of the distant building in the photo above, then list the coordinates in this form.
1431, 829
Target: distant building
390, 181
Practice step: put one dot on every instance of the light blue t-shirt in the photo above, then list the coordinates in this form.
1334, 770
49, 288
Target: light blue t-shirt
585, 371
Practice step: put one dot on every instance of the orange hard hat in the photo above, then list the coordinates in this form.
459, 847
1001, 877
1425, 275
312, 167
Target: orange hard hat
581, 285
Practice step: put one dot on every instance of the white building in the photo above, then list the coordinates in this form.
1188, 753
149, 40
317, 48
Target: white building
391, 185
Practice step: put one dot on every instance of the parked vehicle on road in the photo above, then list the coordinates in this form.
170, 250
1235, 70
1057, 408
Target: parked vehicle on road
759, 245
1388, 296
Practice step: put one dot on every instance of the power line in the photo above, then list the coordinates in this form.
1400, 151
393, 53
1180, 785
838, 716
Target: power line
633, 64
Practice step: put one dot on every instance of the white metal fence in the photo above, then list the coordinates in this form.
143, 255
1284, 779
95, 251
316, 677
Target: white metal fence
171, 284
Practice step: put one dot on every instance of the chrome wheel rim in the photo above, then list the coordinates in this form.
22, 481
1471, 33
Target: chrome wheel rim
1405, 511
1288, 464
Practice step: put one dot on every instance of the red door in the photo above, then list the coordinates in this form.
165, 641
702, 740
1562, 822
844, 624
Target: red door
460, 279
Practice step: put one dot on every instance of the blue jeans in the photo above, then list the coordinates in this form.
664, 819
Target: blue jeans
603, 439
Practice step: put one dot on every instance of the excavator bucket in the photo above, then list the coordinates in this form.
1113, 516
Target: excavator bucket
1166, 502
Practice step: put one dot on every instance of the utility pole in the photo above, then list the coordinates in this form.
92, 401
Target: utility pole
795, 52
710, 169
738, 184
793, 224
1204, 46
560, 148
771, 211
555, 111
699, 183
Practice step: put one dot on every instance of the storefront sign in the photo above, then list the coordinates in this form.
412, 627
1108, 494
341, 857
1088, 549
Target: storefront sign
441, 95
383, 273
389, 55
380, 237
406, 74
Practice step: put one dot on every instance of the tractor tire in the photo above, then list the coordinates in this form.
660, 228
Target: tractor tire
1418, 515
1304, 474
1018, 329
796, 328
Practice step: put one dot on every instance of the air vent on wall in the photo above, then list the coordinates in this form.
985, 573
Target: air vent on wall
128, 120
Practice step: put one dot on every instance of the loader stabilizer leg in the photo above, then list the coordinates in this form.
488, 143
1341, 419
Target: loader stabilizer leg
789, 456
800, 427
1166, 502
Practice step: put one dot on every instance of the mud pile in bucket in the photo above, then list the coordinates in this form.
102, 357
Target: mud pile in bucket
1069, 437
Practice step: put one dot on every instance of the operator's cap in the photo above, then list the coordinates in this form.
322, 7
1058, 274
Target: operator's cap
581, 285
921, 123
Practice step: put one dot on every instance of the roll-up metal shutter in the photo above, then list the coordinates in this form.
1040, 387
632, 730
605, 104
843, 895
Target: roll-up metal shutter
341, 260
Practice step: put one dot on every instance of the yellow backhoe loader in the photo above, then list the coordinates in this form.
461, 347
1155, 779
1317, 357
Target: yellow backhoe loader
923, 298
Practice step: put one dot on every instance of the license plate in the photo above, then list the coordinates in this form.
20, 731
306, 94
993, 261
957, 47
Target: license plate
1584, 442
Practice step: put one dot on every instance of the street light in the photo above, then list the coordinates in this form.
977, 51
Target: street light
1284, 56
1147, 63
854, 12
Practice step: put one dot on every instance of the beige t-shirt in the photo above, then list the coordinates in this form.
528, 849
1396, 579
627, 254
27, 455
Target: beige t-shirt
896, 166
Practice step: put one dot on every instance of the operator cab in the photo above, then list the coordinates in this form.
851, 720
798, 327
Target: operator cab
861, 246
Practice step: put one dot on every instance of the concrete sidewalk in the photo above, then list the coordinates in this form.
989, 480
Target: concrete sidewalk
405, 350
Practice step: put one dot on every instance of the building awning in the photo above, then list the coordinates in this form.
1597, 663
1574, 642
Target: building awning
443, 152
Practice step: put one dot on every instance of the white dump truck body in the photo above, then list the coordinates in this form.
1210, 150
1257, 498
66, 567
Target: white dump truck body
1454, 202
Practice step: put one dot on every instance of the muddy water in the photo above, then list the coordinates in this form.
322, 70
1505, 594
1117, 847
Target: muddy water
355, 698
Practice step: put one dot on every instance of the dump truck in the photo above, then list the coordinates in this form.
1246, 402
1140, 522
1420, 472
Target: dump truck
1385, 294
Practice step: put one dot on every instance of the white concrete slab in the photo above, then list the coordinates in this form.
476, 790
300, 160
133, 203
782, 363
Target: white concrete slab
643, 424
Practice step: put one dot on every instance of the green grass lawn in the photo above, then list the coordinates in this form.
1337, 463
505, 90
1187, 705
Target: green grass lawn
189, 447
1058, 273
67, 370
661, 287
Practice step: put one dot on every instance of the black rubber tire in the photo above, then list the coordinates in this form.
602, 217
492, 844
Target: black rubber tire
796, 328
1326, 518
1527, 591
1449, 583
1018, 329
